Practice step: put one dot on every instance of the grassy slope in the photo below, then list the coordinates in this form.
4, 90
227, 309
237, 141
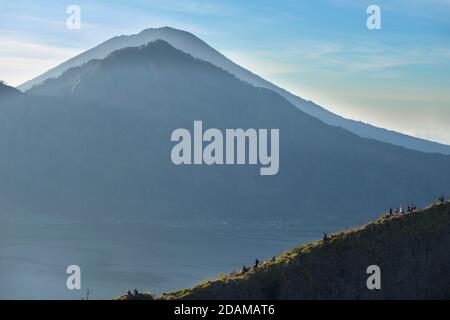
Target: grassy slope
413, 252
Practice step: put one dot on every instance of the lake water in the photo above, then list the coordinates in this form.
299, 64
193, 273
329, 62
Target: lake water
116, 256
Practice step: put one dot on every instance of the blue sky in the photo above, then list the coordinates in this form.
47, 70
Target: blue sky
397, 77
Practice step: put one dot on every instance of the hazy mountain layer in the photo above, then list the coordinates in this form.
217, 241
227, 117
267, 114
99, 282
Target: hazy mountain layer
100, 147
189, 43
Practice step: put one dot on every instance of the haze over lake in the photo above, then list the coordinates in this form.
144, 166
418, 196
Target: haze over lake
115, 256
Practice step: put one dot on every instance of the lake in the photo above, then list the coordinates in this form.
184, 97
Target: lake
115, 256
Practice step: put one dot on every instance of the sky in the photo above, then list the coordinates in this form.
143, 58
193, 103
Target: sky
396, 77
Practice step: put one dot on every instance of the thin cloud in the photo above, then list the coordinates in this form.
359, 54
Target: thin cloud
21, 60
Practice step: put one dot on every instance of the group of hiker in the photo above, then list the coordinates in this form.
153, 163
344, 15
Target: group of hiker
401, 211
133, 293
397, 211
245, 269
411, 208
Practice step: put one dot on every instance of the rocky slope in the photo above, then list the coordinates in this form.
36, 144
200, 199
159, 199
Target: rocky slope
412, 251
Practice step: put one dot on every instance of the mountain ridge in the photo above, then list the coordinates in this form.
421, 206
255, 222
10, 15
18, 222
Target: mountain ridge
411, 251
109, 135
191, 44
6, 90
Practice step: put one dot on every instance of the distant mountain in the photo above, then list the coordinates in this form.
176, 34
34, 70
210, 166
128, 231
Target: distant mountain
411, 251
189, 43
95, 143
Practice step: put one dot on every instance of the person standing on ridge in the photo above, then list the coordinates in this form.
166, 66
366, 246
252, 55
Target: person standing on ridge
325, 237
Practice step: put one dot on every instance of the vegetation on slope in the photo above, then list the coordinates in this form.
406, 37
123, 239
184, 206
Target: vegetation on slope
412, 251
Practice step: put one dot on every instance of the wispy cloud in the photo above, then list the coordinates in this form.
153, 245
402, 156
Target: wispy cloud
22, 60
320, 50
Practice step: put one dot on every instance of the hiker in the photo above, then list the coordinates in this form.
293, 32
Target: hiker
409, 209
128, 293
135, 292
325, 237
401, 210
441, 199
244, 269
256, 263
396, 210
390, 211
274, 258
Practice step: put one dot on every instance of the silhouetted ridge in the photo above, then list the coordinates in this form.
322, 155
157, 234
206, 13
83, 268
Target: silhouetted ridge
7, 91
140, 63
191, 44
411, 250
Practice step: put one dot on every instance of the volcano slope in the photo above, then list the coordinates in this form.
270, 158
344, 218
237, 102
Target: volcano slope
412, 252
